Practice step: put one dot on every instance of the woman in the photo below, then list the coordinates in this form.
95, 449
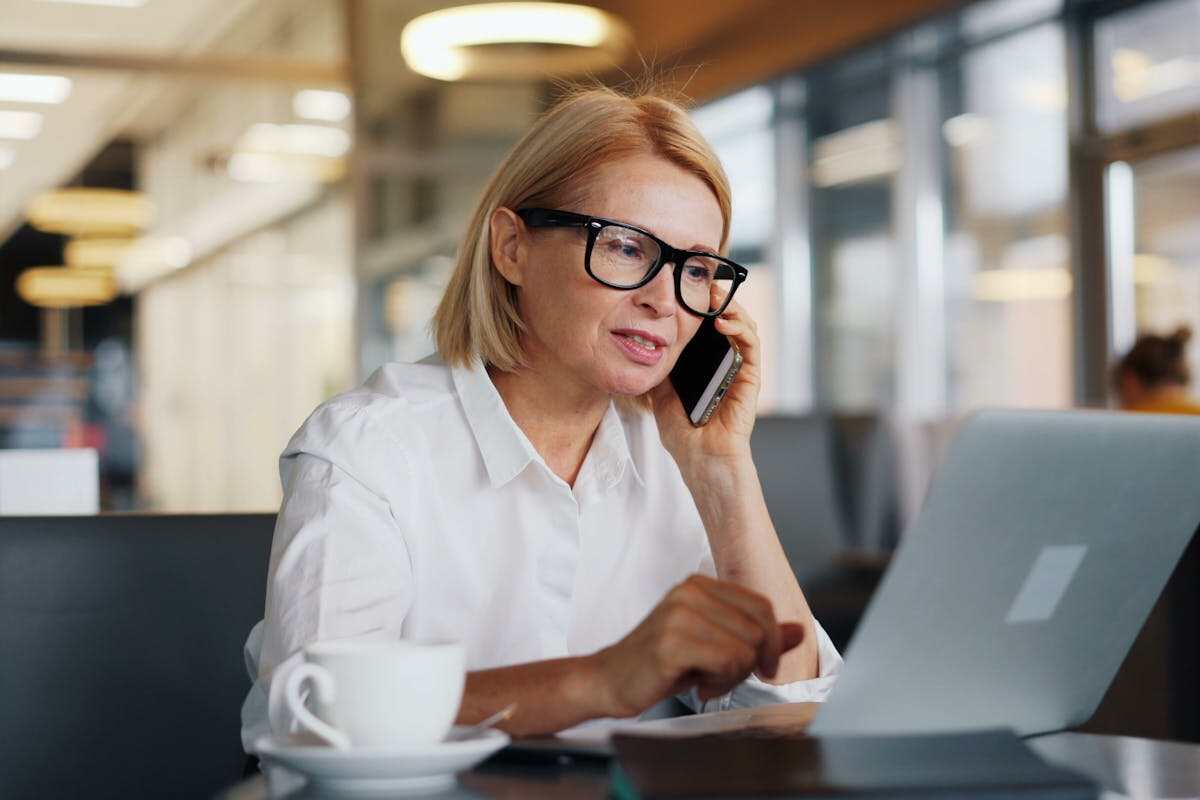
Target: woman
1154, 376
595, 557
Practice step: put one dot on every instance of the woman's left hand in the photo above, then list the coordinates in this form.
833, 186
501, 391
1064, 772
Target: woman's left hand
726, 436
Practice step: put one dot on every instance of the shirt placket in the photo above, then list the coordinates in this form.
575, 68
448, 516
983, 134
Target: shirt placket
558, 564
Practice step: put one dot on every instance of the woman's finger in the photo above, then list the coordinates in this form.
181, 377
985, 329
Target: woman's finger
760, 610
743, 336
719, 658
729, 618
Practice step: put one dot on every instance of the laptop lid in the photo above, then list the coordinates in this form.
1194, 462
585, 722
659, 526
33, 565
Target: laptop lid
1014, 597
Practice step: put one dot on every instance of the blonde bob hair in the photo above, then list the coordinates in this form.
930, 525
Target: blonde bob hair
478, 316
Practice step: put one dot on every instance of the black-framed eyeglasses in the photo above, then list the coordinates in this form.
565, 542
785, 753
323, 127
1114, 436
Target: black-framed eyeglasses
626, 257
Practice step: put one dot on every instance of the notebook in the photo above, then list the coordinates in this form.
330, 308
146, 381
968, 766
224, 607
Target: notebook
747, 763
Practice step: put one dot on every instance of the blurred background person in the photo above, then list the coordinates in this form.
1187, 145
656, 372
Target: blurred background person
1154, 376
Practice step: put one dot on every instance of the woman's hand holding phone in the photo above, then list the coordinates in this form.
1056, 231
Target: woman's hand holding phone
726, 436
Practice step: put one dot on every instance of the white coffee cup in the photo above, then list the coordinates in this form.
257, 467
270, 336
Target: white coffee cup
373, 693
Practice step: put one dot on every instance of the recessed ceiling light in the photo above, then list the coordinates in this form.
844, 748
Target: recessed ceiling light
280, 167
1014, 285
302, 140
328, 106
19, 124
7, 157
439, 44
19, 87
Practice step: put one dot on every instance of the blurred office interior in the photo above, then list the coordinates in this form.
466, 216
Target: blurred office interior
215, 215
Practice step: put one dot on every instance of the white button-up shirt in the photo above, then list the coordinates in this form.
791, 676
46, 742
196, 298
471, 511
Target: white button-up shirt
415, 507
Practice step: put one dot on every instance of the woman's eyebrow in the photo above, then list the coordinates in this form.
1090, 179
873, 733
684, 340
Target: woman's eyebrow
694, 248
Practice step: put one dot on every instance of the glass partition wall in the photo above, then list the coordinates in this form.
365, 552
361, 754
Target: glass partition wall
1145, 140
929, 181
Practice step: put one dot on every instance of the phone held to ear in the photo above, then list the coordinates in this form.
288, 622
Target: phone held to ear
705, 371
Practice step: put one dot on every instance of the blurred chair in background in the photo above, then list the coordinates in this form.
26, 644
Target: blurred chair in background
795, 459
830, 484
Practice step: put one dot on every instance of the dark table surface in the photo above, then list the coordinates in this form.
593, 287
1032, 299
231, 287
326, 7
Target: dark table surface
1122, 766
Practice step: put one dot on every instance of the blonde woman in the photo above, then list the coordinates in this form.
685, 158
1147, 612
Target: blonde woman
538, 493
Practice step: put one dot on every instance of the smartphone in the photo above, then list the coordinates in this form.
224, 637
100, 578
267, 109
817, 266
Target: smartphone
704, 371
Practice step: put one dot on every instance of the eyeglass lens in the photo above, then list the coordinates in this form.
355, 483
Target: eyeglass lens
623, 257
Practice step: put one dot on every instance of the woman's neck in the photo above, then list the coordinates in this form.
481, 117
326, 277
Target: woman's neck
559, 417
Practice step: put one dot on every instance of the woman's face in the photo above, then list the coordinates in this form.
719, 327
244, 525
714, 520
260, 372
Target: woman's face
583, 330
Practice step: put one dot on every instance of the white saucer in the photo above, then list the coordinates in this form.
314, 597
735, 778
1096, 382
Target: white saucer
418, 768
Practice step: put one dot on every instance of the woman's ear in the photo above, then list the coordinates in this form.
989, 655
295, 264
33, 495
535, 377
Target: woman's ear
508, 245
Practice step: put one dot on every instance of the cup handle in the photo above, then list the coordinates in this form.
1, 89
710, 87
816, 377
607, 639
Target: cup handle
285, 691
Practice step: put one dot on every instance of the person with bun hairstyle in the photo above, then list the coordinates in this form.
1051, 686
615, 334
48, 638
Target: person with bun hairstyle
1154, 376
536, 491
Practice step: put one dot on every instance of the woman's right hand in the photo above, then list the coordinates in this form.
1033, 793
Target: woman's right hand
706, 633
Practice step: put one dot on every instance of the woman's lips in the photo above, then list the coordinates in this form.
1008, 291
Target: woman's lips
638, 352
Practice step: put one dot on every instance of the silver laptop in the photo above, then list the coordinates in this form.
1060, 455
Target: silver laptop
1044, 542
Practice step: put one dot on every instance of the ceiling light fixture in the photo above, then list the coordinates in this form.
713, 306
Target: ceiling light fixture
60, 287
17, 87
446, 44
90, 212
966, 129
1016, 285
283, 167
96, 252
321, 104
862, 153
20, 124
299, 140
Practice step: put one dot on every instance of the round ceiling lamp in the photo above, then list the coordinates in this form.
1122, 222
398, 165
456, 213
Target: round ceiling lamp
90, 212
95, 252
60, 287
513, 41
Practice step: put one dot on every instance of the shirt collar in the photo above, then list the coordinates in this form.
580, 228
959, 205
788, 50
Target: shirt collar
505, 448
610, 453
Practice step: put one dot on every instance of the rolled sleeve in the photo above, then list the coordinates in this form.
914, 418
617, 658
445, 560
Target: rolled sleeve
756, 692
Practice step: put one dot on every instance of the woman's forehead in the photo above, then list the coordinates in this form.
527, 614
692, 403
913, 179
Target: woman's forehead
658, 196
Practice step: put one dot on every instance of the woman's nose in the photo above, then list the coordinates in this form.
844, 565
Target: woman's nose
659, 294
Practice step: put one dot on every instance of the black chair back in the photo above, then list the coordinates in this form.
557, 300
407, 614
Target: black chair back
796, 464
121, 669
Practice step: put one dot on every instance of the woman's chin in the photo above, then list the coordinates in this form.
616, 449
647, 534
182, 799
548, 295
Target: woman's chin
633, 385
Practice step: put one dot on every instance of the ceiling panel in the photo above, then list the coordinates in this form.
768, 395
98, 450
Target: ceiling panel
156, 27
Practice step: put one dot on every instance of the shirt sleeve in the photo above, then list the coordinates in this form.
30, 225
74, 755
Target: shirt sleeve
756, 692
339, 569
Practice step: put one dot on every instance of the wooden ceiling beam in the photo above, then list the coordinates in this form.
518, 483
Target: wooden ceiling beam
733, 44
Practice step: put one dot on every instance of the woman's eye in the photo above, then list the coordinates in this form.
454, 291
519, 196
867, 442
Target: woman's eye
698, 272
626, 249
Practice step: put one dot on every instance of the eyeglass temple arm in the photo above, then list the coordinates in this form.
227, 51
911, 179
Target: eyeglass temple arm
545, 216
